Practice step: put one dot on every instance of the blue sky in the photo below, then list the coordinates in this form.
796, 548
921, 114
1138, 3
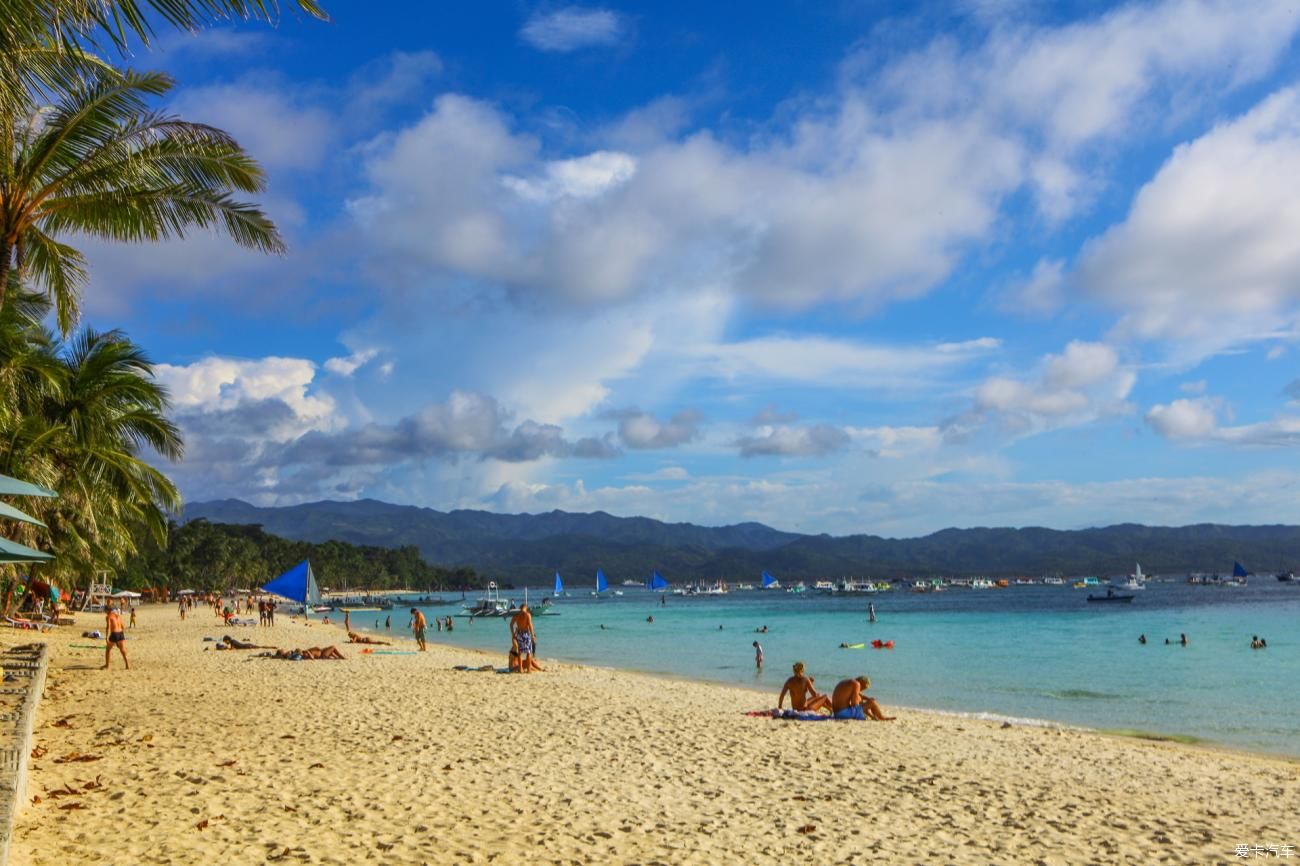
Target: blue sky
834, 267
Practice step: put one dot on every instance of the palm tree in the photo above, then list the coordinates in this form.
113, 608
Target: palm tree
48, 42
85, 415
99, 163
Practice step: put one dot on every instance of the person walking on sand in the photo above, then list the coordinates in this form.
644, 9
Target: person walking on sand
132, 616
849, 702
802, 692
523, 636
418, 624
116, 636
758, 655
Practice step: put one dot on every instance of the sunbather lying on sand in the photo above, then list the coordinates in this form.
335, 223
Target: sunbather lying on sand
353, 637
314, 653
234, 643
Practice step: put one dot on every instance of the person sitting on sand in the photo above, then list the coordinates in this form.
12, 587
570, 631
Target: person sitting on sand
803, 694
353, 637
849, 702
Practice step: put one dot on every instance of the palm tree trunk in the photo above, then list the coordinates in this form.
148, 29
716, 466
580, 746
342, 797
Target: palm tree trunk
6, 253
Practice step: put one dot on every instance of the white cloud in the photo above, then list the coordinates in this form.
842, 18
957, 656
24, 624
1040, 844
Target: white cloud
220, 384
1043, 293
1196, 422
1085, 382
817, 440
271, 121
640, 430
866, 196
1207, 256
572, 28
349, 364
836, 363
831, 502
1197, 387
581, 177
1184, 419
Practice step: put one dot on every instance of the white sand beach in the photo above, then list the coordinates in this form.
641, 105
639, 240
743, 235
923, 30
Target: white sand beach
219, 757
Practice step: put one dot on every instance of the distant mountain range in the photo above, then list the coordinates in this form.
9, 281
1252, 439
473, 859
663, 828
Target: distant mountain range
523, 546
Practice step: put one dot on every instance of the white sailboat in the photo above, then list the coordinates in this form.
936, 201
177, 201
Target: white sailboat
1135, 580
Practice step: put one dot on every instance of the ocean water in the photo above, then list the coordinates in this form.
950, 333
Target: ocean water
1024, 652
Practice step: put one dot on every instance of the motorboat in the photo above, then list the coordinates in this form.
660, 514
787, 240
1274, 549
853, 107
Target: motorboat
1112, 596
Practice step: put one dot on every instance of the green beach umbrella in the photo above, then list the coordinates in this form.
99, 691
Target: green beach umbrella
12, 551
14, 487
14, 514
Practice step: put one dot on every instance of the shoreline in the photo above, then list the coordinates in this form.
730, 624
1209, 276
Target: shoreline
1141, 735
399, 758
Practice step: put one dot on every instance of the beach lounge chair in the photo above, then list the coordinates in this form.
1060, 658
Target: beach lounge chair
28, 624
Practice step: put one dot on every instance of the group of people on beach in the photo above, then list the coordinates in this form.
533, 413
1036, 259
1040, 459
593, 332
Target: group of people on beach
847, 701
523, 642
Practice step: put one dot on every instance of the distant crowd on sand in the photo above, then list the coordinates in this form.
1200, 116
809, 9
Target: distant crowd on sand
228, 608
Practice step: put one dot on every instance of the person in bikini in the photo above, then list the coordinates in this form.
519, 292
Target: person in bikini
803, 694
353, 637
849, 702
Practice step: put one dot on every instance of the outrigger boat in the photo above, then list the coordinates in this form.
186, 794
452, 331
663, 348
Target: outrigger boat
491, 603
1112, 596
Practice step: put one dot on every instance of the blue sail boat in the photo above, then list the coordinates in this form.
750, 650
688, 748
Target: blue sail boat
770, 582
656, 583
601, 583
559, 584
1239, 575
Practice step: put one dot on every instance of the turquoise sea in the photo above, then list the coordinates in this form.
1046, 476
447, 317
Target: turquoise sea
1024, 652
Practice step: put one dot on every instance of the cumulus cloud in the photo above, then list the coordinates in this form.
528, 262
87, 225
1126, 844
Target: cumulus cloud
465, 425
218, 384
1196, 422
868, 195
571, 28
581, 177
1206, 257
641, 431
816, 440
1085, 382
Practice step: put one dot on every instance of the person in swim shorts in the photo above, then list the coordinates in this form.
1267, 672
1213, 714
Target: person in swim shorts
849, 702
418, 624
116, 635
524, 637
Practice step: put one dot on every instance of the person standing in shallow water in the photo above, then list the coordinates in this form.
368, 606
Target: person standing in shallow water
758, 655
